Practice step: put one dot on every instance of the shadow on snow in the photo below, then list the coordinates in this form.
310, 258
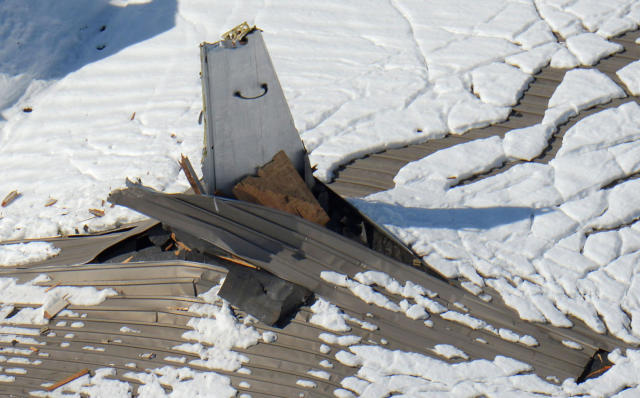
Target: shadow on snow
474, 218
47, 40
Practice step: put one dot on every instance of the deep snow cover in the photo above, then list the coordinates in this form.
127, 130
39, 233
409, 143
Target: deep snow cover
93, 92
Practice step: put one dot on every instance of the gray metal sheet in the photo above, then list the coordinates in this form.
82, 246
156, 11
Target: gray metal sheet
293, 249
247, 117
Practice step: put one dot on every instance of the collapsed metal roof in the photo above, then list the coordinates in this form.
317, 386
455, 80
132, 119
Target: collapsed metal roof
156, 287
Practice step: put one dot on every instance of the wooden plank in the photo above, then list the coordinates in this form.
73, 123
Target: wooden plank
191, 175
279, 186
373, 186
630, 52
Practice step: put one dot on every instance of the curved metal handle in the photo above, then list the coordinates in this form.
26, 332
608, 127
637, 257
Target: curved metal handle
262, 86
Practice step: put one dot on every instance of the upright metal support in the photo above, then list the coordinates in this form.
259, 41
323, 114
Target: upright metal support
247, 119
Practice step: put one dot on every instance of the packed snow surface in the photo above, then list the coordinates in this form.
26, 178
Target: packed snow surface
25, 253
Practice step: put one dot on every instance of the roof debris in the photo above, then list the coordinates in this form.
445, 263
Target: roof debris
11, 196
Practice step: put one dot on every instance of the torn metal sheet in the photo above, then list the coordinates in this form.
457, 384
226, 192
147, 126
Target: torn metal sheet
247, 119
270, 299
80, 249
299, 251
136, 331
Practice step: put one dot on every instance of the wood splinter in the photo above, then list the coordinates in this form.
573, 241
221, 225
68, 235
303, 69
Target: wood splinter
68, 379
191, 175
13, 195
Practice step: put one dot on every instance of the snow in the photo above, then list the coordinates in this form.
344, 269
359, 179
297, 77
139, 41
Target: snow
400, 67
339, 340
448, 166
31, 293
630, 76
320, 374
583, 88
25, 253
448, 351
184, 382
499, 84
532, 61
544, 245
216, 332
589, 48
306, 383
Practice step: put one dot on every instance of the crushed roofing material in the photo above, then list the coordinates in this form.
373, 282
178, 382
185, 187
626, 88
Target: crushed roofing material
302, 252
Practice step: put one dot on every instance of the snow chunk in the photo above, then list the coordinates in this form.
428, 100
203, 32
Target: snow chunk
339, 340
328, 316
320, 374
527, 143
559, 20
563, 59
532, 61
499, 84
269, 337
587, 135
306, 383
448, 351
448, 166
26, 253
630, 76
589, 48
580, 89
220, 330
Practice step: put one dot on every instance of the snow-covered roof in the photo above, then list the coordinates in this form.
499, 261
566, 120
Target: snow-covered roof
93, 94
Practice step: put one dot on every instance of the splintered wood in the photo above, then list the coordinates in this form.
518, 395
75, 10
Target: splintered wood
97, 212
52, 308
279, 186
186, 167
68, 379
13, 195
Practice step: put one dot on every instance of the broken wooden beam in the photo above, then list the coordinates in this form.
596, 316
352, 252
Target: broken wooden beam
52, 308
185, 164
279, 186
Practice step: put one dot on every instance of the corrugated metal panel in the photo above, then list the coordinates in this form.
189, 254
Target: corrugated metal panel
247, 117
299, 251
